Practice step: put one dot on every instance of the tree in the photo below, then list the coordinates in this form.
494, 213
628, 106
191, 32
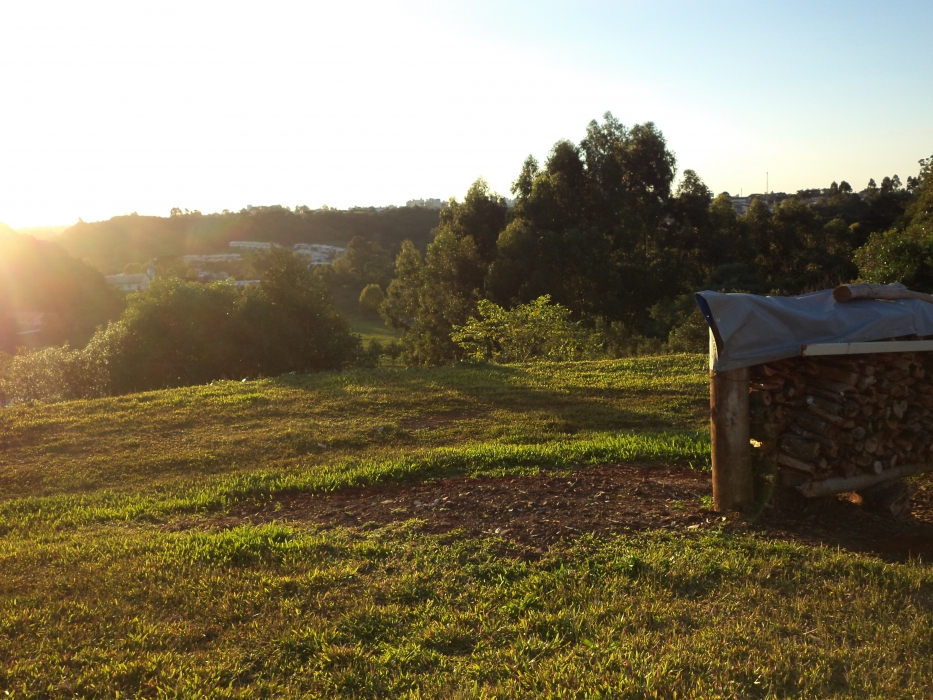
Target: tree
588, 228
481, 216
400, 308
522, 186
904, 253
178, 333
536, 329
371, 298
365, 262
429, 296
168, 266
292, 321
451, 285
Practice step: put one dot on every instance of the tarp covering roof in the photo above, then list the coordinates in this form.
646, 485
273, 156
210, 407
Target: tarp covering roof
751, 329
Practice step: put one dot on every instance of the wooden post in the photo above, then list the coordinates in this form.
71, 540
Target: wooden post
733, 487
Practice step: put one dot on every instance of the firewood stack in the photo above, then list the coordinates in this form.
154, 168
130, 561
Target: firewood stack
816, 418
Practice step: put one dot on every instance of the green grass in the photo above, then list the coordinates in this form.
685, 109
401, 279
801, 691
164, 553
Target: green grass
100, 595
368, 326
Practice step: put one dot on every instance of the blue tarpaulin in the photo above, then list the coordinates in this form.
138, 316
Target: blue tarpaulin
751, 329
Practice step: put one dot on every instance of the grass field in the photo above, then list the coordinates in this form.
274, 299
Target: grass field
117, 578
368, 326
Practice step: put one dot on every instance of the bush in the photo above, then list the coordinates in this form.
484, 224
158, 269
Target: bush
55, 374
897, 255
371, 299
691, 335
618, 340
536, 329
177, 333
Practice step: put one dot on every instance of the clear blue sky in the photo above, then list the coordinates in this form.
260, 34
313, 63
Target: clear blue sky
113, 107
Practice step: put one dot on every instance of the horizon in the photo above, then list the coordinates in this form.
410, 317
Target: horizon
43, 227
213, 106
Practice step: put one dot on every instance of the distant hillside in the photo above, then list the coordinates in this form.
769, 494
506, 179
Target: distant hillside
45, 233
38, 278
109, 245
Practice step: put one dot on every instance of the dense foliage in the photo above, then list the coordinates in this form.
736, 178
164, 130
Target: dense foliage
432, 294
602, 230
536, 329
178, 333
904, 253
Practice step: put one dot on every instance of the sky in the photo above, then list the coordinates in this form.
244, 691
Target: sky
108, 108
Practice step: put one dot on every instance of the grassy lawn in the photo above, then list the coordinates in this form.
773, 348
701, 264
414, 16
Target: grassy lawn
116, 577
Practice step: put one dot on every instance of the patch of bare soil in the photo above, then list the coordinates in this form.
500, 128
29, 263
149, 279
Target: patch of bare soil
537, 511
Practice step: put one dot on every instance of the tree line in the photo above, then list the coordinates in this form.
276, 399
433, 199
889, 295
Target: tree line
111, 245
602, 231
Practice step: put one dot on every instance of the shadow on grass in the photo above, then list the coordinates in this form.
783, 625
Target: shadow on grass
565, 406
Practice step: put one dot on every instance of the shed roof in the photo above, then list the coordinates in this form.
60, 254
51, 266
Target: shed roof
751, 329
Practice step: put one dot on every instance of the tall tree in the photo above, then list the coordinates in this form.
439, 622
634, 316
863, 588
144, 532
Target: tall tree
480, 216
429, 296
587, 229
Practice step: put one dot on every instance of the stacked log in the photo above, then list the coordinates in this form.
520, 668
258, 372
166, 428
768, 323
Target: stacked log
817, 418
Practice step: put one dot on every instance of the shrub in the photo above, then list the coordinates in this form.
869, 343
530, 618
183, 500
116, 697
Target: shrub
371, 299
56, 374
177, 333
536, 329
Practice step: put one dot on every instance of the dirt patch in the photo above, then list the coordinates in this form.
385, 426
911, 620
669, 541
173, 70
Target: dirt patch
537, 511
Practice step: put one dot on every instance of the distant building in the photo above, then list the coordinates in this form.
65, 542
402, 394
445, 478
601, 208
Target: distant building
208, 276
319, 254
253, 245
221, 257
129, 283
432, 203
741, 204
242, 284
133, 283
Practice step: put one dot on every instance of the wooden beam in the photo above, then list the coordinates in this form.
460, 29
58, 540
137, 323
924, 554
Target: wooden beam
733, 486
828, 487
866, 348
865, 290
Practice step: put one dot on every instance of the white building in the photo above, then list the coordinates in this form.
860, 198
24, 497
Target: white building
432, 203
319, 254
253, 245
132, 283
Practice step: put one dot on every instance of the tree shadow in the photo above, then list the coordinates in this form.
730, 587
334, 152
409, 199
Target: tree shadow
477, 391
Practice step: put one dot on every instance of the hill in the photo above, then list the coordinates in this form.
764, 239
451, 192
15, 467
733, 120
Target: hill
46, 233
459, 532
39, 279
110, 245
